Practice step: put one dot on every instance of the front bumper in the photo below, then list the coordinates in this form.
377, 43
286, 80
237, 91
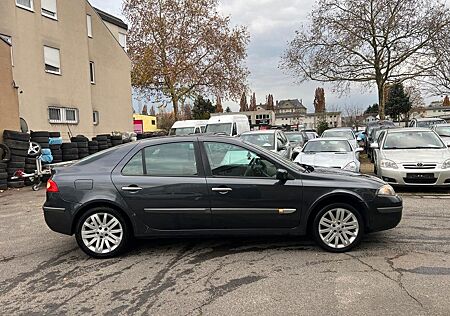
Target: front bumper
424, 177
386, 213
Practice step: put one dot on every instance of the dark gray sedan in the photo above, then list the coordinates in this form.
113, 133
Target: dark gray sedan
210, 185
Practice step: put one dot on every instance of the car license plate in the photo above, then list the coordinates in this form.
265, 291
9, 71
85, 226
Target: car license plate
420, 175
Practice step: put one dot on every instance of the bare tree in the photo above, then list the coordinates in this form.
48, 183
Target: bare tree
368, 41
182, 46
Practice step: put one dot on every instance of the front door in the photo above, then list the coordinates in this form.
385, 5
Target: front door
244, 191
163, 186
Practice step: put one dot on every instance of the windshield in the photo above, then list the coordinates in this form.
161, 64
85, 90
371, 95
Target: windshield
429, 123
295, 138
348, 134
413, 140
219, 128
182, 131
443, 131
264, 140
327, 146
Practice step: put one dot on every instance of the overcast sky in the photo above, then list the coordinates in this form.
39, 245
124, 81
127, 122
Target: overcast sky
272, 24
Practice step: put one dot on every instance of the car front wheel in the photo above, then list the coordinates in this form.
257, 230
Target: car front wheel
102, 233
338, 228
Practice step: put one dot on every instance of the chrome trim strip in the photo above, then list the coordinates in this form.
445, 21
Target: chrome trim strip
58, 209
254, 210
178, 210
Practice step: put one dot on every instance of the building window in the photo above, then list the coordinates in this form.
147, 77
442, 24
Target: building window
48, 9
25, 4
92, 71
62, 115
153, 122
8, 39
123, 40
95, 117
89, 25
52, 60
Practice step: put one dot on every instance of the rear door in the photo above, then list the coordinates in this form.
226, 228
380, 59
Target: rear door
244, 191
164, 185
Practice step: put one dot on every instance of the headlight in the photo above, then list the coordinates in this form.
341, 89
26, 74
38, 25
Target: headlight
351, 166
446, 164
388, 164
386, 190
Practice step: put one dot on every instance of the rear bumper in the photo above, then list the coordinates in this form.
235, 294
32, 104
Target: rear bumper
58, 220
385, 214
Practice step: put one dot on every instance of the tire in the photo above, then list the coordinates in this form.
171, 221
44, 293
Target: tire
83, 145
121, 225
101, 138
3, 175
54, 134
3, 165
68, 146
29, 161
8, 134
43, 140
16, 144
5, 153
30, 166
73, 151
16, 184
322, 219
19, 165
93, 143
40, 134
19, 152
70, 157
3, 187
17, 159
55, 147
116, 138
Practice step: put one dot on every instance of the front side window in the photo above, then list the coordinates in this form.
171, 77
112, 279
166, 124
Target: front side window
52, 60
26, 4
228, 160
48, 8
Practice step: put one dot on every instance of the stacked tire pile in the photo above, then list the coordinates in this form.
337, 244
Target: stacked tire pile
82, 145
18, 143
93, 147
3, 176
116, 140
69, 151
56, 148
102, 141
42, 138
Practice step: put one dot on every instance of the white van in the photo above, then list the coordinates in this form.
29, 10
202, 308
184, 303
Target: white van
232, 124
188, 127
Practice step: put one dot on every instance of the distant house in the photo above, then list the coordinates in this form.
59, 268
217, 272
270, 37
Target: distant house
435, 109
289, 112
334, 119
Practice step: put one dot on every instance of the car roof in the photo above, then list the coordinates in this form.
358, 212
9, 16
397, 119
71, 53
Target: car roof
428, 119
328, 138
340, 129
442, 124
264, 131
408, 129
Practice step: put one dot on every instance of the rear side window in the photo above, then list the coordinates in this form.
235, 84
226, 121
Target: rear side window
170, 160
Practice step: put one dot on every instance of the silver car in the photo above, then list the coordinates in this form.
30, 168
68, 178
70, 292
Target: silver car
412, 156
273, 140
342, 132
330, 153
443, 130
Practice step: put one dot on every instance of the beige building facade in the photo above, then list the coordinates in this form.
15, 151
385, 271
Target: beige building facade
9, 103
72, 74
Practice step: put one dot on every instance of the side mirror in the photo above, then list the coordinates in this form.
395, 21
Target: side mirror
282, 175
374, 146
359, 150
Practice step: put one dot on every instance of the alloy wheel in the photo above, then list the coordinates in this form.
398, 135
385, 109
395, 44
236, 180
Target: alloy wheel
338, 228
102, 233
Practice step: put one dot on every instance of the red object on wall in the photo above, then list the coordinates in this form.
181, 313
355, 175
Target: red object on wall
138, 126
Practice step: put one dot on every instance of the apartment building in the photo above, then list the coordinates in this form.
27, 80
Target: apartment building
9, 104
69, 66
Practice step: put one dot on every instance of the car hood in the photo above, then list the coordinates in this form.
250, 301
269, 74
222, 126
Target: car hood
331, 160
417, 155
360, 180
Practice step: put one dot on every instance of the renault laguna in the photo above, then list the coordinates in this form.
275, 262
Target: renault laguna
211, 185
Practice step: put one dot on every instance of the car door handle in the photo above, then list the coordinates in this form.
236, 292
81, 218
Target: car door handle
222, 190
132, 188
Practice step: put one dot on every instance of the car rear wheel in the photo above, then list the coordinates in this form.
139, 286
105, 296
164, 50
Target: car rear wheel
338, 228
102, 232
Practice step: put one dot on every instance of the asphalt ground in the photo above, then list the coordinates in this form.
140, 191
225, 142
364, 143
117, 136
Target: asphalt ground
404, 271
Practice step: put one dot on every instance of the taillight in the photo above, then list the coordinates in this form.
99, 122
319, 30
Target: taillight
52, 186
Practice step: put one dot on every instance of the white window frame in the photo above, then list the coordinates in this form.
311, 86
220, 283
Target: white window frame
89, 25
63, 115
92, 72
44, 11
31, 8
58, 72
95, 117
9, 40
